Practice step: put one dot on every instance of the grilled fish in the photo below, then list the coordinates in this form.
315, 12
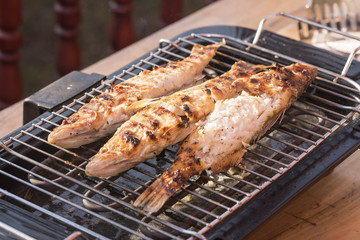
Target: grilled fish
220, 141
165, 122
106, 112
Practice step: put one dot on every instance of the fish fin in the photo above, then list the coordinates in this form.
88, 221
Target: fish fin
281, 116
137, 106
230, 160
271, 122
200, 77
197, 80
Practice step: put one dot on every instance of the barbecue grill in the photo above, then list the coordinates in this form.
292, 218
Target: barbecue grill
45, 194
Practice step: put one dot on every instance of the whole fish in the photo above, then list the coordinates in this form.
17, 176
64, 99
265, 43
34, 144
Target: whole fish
165, 122
106, 112
220, 141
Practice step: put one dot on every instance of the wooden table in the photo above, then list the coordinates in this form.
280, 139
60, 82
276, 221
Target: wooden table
330, 209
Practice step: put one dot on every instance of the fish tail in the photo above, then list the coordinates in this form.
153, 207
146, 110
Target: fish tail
155, 196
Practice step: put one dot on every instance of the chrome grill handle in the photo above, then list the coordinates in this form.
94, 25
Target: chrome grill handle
350, 57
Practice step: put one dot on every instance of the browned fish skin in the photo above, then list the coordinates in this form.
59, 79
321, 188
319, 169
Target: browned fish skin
106, 112
192, 157
164, 123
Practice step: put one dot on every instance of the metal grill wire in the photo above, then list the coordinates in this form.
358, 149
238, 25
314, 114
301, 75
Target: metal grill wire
102, 208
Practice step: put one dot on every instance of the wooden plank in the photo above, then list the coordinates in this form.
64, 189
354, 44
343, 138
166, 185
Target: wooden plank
327, 210
11, 118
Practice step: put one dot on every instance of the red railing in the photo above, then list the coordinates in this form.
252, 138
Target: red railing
68, 17
10, 42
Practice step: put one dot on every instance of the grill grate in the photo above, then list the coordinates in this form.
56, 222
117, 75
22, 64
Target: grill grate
58, 189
